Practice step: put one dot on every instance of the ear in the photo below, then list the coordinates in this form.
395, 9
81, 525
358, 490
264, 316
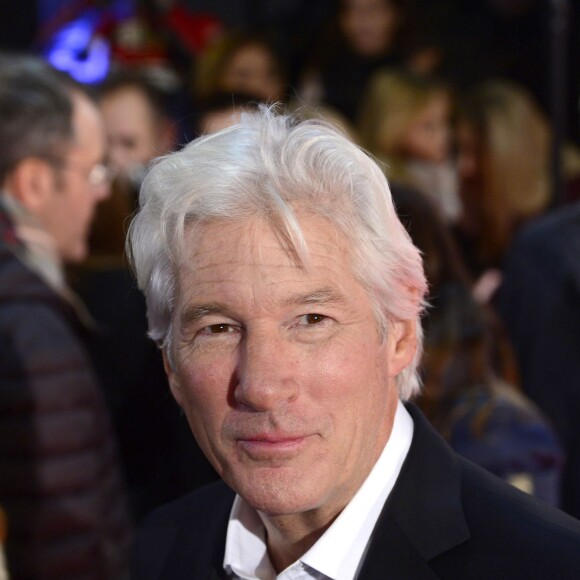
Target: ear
31, 182
402, 345
173, 378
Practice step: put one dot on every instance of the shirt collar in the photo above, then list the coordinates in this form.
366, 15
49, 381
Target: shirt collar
340, 550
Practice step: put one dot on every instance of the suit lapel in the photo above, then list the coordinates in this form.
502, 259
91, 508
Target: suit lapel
423, 516
392, 555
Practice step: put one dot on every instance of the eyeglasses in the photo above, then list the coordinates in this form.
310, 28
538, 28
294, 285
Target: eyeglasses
99, 174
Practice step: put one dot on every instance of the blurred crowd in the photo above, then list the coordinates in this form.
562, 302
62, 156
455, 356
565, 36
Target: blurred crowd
453, 98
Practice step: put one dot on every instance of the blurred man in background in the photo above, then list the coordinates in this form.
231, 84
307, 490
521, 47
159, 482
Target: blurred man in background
60, 484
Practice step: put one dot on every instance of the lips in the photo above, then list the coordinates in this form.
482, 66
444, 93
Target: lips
272, 446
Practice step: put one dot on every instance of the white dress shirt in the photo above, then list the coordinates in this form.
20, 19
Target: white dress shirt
340, 550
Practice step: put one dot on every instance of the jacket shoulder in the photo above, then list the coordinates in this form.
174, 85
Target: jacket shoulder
487, 499
185, 535
512, 534
206, 502
461, 521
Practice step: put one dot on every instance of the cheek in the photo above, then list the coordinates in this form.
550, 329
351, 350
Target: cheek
351, 373
355, 401
145, 147
84, 212
206, 387
202, 393
78, 211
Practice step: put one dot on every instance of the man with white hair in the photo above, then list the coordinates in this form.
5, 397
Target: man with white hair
286, 296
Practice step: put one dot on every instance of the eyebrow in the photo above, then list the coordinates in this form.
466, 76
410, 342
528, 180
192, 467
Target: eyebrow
192, 314
322, 297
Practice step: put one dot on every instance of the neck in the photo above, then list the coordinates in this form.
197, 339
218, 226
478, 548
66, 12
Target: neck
291, 536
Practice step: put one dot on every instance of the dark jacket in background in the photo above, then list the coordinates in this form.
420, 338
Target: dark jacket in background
539, 302
445, 519
160, 457
60, 483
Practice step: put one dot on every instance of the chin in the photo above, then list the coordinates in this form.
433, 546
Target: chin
278, 491
76, 255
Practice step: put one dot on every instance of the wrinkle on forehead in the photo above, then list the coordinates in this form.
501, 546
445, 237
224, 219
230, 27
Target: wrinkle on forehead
252, 230
262, 249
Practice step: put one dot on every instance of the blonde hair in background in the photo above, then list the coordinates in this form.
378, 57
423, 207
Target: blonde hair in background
391, 102
514, 138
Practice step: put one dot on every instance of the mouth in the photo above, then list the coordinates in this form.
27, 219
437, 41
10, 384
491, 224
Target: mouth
268, 447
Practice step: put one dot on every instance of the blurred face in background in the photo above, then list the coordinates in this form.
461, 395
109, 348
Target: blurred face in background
134, 137
217, 120
79, 182
369, 25
428, 134
253, 70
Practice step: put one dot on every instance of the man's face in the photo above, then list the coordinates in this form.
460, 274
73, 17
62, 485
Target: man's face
69, 210
281, 370
131, 130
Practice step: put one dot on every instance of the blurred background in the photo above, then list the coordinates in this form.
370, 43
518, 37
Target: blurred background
524, 40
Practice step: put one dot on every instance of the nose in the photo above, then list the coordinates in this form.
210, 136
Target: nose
267, 371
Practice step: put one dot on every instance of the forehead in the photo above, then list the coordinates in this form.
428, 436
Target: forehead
225, 254
89, 139
250, 52
128, 106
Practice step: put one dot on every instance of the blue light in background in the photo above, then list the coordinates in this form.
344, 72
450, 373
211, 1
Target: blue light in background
76, 49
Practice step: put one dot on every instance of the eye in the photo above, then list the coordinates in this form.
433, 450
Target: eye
218, 329
312, 319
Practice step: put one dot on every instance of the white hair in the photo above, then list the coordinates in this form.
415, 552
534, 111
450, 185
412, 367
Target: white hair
269, 165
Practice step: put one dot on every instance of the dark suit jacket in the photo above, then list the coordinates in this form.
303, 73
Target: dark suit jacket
445, 518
